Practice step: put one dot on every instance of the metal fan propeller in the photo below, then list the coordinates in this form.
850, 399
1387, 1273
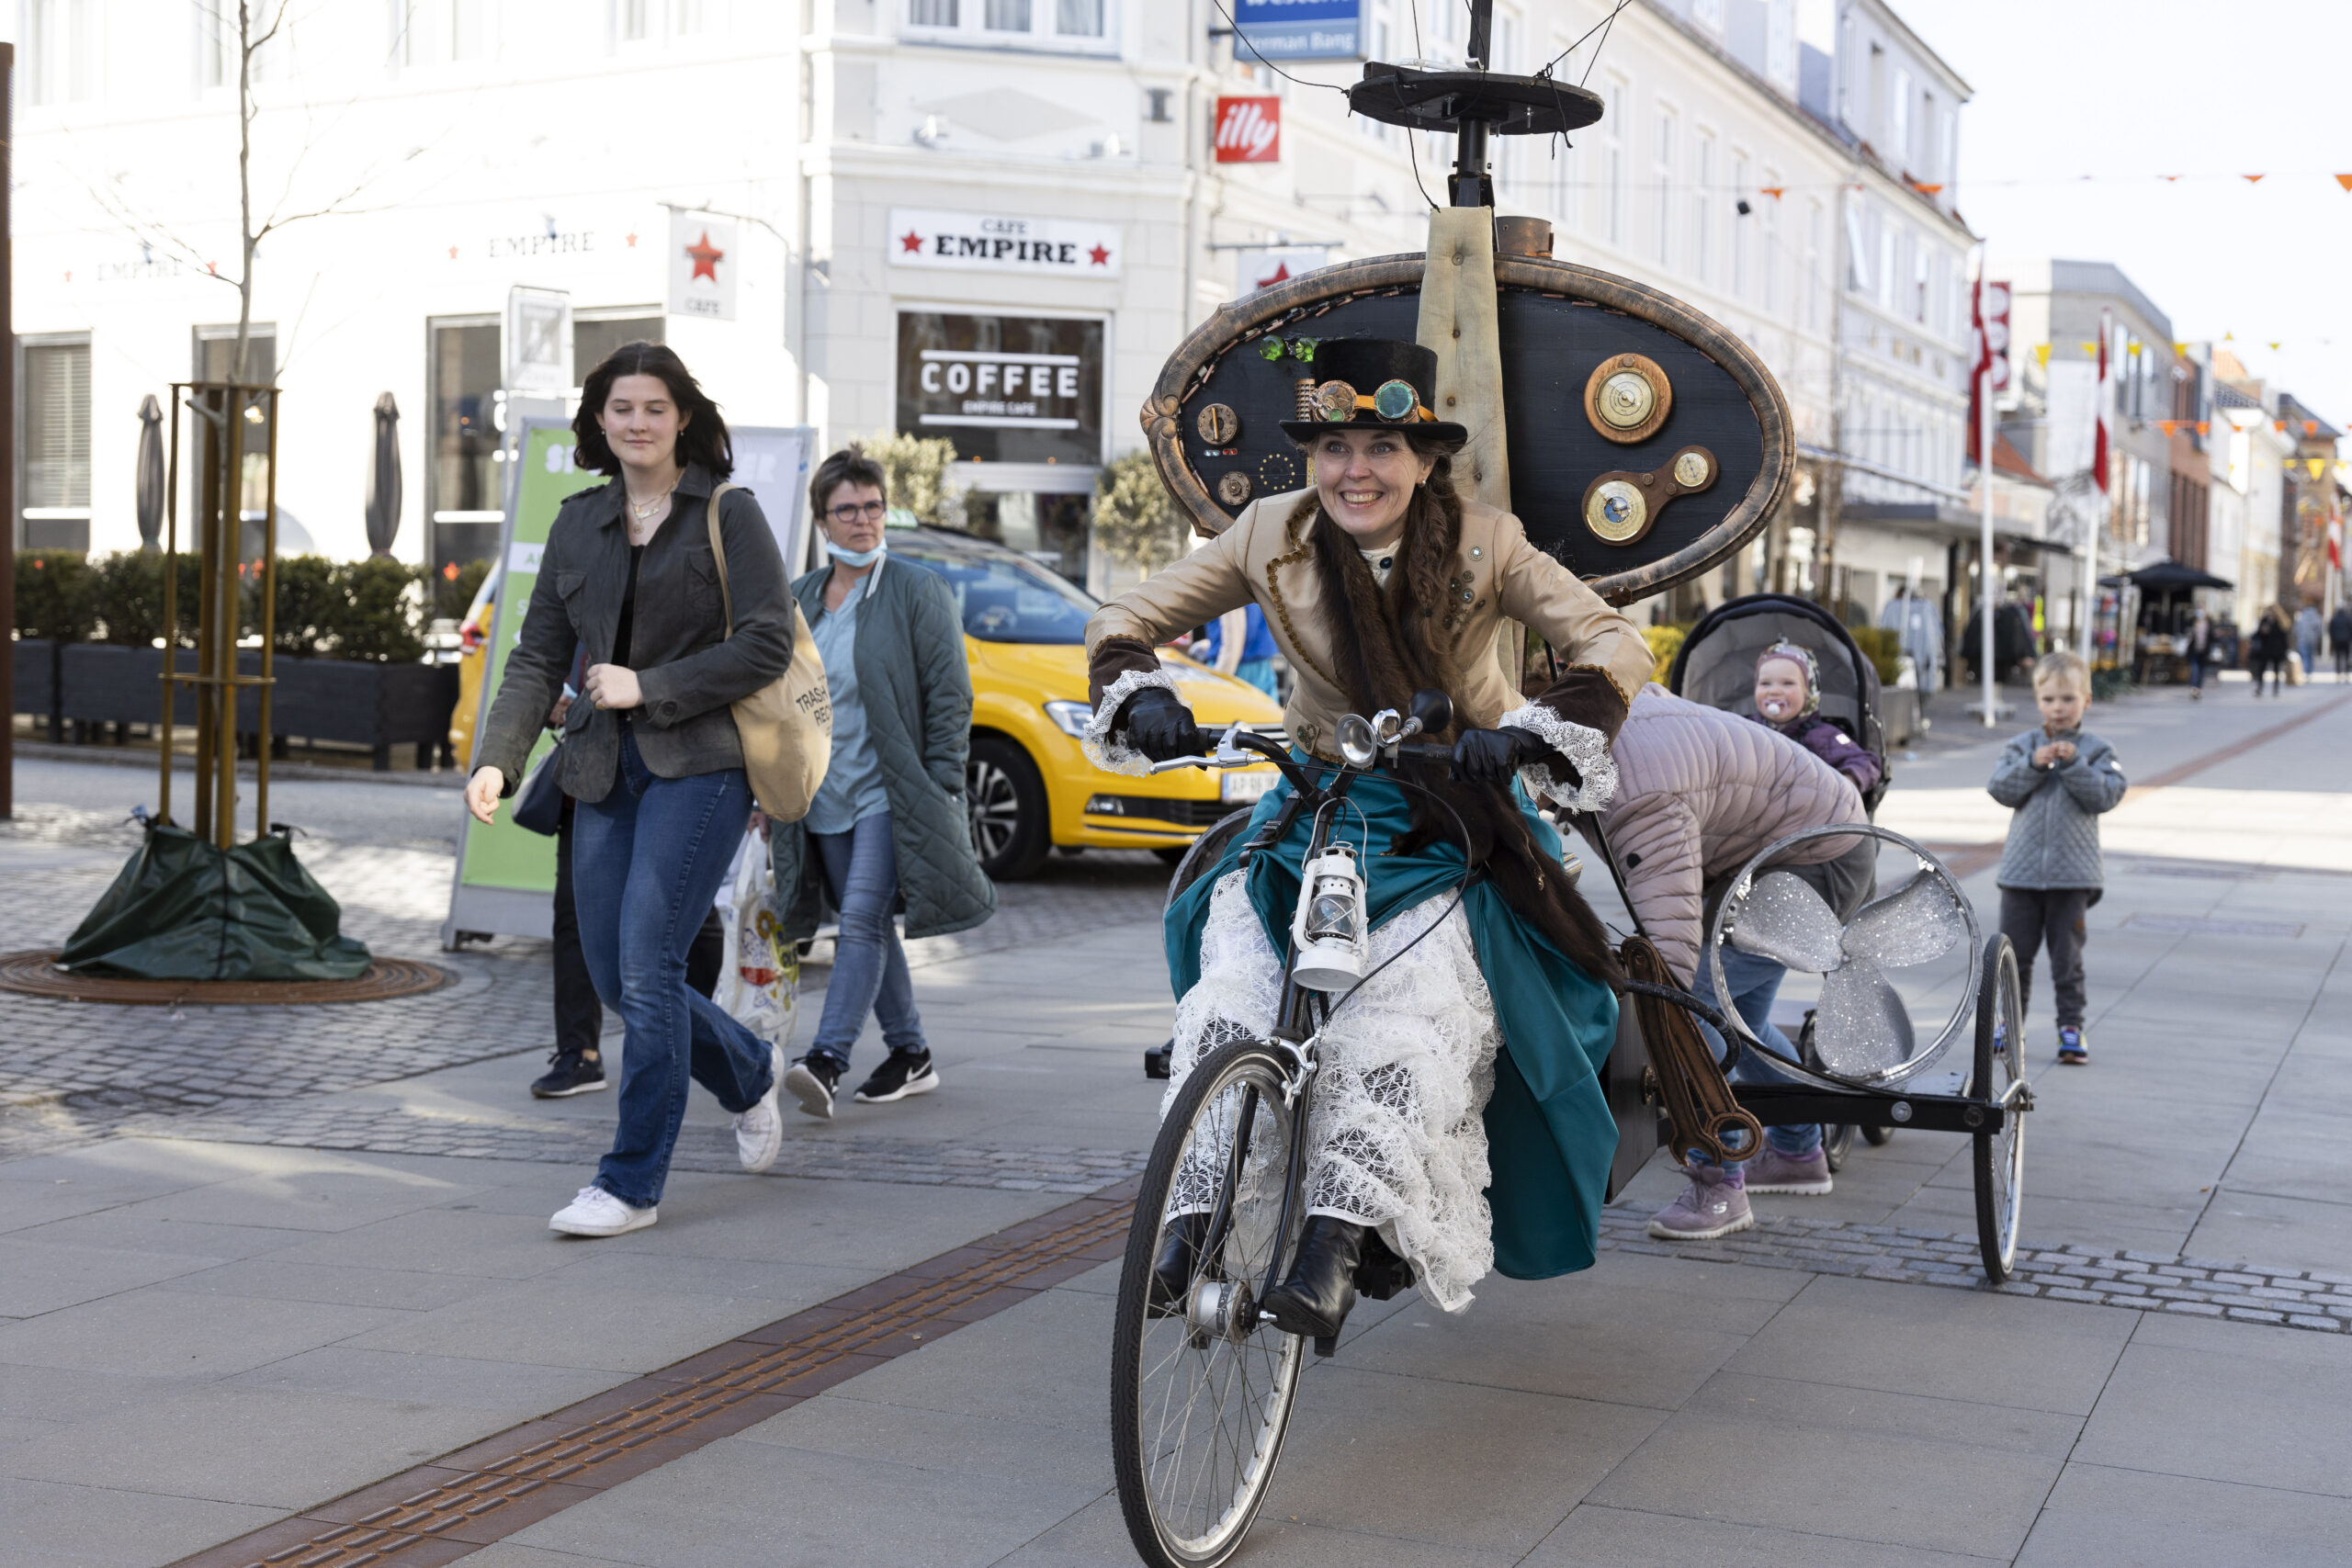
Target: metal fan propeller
1861, 1027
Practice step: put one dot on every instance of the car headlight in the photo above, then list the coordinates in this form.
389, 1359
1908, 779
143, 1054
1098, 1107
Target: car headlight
1070, 718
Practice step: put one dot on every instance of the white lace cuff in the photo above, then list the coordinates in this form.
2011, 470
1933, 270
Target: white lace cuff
1112, 755
1586, 748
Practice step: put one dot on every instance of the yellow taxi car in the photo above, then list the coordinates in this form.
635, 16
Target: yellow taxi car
1030, 790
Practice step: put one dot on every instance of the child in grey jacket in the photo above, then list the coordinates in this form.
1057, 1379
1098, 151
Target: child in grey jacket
2059, 780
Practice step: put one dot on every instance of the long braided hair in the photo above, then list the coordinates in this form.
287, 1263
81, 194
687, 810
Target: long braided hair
1387, 643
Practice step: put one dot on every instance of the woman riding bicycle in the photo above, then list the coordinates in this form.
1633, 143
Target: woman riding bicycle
1458, 1113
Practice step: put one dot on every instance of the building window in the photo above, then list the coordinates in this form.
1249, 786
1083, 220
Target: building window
470, 29
1079, 18
463, 497
1662, 243
403, 15
1814, 282
55, 433
1770, 209
637, 21
1614, 172
1919, 284
1708, 14
688, 16
1886, 268
1858, 253
1051, 24
57, 50
1702, 210
1007, 16
1740, 281
1898, 134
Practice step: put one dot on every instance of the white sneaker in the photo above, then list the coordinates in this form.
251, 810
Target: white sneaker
759, 1132
597, 1212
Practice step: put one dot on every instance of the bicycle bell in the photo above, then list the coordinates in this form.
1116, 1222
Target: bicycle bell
1327, 931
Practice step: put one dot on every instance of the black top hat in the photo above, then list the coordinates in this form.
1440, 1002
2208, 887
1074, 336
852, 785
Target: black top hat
1373, 383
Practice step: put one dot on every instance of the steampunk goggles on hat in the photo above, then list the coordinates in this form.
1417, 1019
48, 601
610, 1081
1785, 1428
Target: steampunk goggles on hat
1337, 402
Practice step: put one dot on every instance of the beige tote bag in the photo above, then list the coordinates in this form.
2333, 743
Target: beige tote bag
787, 726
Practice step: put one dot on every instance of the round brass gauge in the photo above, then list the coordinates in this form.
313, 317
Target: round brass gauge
1218, 424
1616, 511
1335, 402
1233, 489
1627, 398
1692, 468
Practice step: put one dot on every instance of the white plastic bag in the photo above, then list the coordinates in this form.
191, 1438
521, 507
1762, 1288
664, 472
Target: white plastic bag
759, 985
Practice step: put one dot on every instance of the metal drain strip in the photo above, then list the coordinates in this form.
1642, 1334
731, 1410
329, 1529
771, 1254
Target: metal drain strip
439, 1512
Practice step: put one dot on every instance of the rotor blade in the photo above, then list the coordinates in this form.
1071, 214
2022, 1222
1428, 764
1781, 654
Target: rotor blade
1783, 918
1860, 1026
1917, 921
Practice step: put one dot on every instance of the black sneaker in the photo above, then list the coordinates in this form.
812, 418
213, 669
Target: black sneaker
569, 1073
902, 1072
810, 1081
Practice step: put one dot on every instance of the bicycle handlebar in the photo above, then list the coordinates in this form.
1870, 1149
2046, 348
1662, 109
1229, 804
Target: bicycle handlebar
1237, 740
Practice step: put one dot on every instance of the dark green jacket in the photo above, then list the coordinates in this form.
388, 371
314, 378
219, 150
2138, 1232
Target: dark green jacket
917, 690
687, 667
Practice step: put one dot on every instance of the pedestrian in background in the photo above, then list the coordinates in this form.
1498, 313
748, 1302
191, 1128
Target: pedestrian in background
2201, 650
1918, 629
2267, 651
2308, 630
628, 573
888, 831
2339, 640
1238, 644
2058, 781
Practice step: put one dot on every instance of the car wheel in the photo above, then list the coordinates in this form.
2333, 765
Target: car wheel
1007, 801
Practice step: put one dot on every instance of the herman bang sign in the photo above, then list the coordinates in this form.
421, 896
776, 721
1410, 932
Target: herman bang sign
1000, 242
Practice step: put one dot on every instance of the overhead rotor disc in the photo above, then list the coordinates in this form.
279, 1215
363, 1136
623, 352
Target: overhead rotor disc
1446, 100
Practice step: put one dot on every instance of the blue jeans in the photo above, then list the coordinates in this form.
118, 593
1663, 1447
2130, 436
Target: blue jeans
1259, 672
869, 967
646, 862
1754, 983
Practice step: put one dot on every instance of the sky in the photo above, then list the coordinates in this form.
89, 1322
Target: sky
2128, 93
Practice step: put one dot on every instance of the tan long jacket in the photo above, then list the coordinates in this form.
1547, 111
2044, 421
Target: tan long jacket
1499, 573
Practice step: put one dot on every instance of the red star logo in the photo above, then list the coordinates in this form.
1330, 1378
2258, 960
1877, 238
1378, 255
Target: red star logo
706, 259
910, 243
1282, 274
1099, 254
453, 253
632, 242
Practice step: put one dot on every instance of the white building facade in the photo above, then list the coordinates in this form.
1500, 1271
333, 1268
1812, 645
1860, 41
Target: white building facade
988, 220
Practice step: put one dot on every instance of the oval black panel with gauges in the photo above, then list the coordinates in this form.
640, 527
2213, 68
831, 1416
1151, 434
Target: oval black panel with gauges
1646, 442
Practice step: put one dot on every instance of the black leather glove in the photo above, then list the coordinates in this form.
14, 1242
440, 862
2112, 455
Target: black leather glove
1160, 727
1492, 756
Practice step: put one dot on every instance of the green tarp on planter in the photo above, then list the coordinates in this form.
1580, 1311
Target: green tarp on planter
185, 910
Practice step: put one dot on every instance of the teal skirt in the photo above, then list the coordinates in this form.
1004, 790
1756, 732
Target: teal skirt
1550, 1136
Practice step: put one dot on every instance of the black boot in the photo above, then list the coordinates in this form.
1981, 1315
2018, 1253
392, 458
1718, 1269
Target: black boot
1314, 1301
1180, 1256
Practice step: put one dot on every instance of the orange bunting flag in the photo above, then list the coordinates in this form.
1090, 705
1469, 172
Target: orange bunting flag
2251, 179
2344, 180
2311, 427
2169, 178
2279, 425
1775, 192
1929, 189
2166, 426
2204, 427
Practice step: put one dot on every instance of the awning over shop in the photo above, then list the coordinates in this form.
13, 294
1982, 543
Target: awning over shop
2172, 577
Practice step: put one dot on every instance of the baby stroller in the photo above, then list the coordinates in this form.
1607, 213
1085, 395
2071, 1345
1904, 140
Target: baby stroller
1871, 1070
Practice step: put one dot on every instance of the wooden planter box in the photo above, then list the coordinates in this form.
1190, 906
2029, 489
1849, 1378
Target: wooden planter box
375, 706
36, 681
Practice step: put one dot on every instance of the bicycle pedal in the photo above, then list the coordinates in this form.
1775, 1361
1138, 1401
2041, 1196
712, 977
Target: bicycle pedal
1327, 1344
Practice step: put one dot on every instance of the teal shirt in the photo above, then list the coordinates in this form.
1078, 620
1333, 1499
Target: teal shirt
853, 788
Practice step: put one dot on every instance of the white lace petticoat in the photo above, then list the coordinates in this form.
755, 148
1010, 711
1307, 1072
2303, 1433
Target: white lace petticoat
1396, 1138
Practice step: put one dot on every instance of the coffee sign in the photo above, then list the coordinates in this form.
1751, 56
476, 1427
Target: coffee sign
1004, 389
1002, 242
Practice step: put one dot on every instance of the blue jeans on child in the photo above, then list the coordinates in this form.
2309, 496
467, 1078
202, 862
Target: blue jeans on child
869, 965
646, 862
1754, 983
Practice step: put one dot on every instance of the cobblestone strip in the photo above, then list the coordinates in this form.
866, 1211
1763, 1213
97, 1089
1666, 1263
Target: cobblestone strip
2143, 1281
391, 1129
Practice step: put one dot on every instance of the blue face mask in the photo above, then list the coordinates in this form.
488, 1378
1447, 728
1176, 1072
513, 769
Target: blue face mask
857, 558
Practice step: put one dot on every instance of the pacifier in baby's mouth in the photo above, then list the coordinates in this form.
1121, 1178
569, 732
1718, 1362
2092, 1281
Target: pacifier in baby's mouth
1775, 707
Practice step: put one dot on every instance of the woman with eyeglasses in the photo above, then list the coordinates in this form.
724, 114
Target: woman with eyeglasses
888, 832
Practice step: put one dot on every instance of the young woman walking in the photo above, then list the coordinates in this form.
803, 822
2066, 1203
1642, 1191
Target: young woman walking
657, 769
888, 831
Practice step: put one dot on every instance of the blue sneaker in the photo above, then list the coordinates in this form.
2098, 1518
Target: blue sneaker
2074, 1046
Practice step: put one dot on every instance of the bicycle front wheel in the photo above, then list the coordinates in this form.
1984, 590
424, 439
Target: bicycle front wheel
1201, 1391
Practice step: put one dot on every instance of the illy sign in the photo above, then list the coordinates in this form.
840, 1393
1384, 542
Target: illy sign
1248, 130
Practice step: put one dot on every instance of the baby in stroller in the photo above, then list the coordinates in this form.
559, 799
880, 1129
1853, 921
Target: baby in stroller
1788, 698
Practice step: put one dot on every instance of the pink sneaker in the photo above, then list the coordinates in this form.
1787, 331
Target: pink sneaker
1807, 1175
1714, 1205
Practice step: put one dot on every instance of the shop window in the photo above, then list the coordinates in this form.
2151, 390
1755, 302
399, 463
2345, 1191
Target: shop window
55, 440
596, 333
463, 497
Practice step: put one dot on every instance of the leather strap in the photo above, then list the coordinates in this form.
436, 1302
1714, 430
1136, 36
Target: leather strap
719, 553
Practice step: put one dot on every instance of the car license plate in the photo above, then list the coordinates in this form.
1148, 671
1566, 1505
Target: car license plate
1241, 789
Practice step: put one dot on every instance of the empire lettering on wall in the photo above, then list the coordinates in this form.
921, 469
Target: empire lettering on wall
997, 242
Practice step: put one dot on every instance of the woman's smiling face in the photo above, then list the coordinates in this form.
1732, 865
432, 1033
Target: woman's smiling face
1366, 479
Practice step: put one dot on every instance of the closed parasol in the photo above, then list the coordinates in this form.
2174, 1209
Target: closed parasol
384, 478
149, 486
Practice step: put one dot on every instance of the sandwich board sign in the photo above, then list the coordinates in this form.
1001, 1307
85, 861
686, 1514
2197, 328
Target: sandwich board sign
506, 877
